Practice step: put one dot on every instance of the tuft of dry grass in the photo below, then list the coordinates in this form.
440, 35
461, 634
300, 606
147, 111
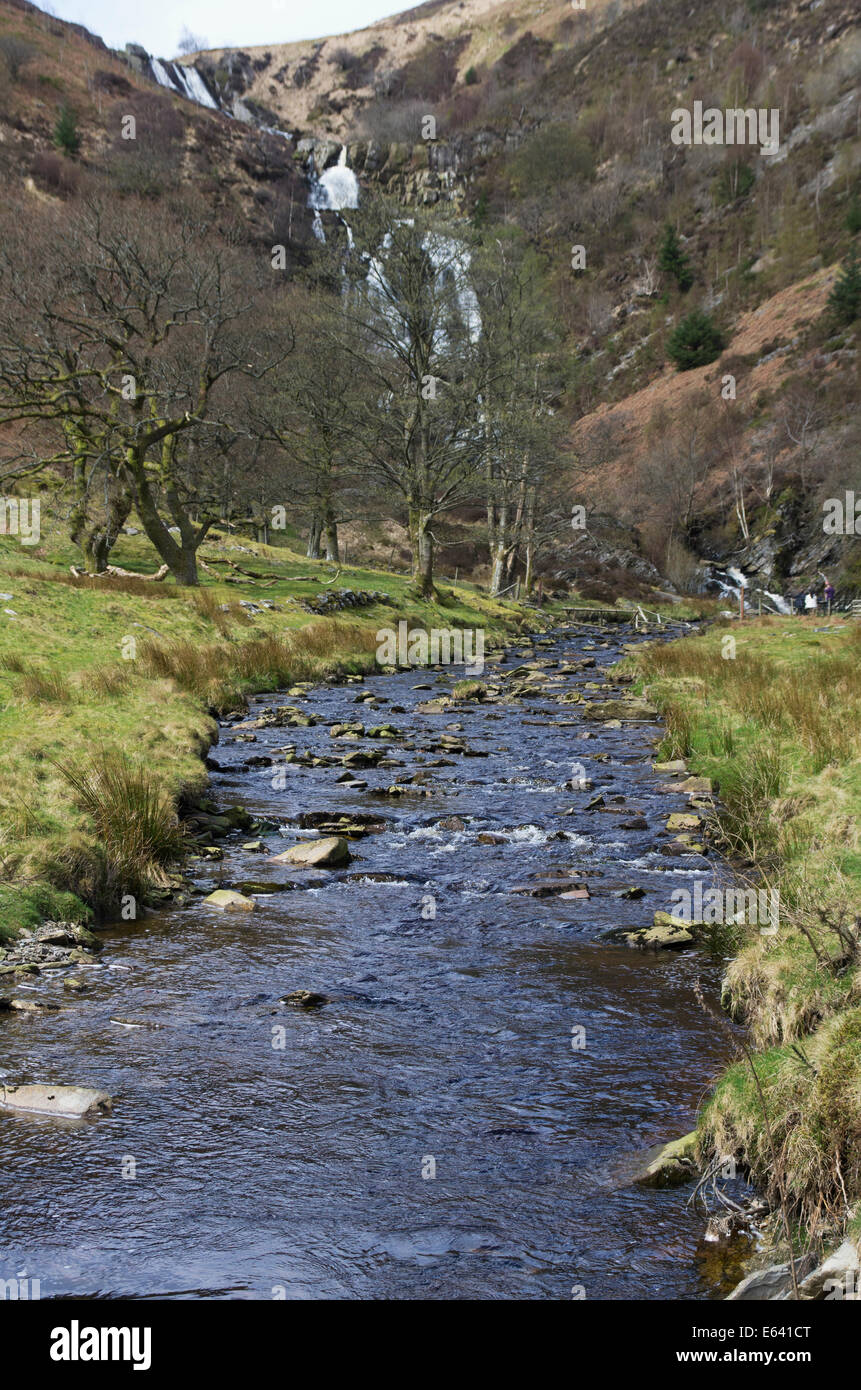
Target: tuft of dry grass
44, 684
811, 1095
222, 674
677, 740
137, 825
102, 583
108, 681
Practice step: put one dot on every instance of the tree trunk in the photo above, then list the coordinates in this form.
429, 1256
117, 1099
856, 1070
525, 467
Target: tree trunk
181, 559
529, 574
185, 572
497, 568
330, 536
421, 541
97, 538
97, 548
314, 534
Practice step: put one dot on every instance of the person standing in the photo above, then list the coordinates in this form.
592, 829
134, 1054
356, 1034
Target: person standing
829, 595
811, 603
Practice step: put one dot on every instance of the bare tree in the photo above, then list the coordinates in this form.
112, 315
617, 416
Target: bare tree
408, 319
191, 43
521, 434
121, 346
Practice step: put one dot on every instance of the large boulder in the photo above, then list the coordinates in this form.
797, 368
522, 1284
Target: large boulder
628, 708
773, 1284
683, 820
328, 853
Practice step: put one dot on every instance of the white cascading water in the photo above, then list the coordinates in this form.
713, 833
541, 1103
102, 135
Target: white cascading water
779, 602
184, 80
195, 87
452, 258
187, 81
332, 191
737, 583
162, 76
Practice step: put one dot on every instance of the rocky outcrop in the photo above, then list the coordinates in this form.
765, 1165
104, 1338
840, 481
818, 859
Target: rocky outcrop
837, 1278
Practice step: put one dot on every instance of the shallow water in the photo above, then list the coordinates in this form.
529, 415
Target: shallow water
262, 1171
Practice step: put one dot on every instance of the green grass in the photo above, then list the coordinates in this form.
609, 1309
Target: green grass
30, 905
771, 711
101, 679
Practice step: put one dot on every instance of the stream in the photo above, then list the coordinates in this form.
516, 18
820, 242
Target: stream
436, 1129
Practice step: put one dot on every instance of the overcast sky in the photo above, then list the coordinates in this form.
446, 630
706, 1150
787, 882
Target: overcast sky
225, 24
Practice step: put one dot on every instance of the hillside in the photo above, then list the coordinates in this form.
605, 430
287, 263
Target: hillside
441, 372
551, 126
324, 86
557, 123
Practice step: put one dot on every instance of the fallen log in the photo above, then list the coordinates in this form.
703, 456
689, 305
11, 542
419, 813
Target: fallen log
115, 572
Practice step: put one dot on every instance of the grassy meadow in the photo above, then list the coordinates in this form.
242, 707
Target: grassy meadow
772, 712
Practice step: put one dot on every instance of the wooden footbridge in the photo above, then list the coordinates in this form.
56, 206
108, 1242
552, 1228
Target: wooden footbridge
639, 616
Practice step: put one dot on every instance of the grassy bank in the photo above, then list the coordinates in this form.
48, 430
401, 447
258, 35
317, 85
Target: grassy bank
108, 690
772, 712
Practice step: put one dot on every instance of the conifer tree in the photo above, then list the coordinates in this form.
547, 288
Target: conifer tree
673, 261
844, 300
66, 135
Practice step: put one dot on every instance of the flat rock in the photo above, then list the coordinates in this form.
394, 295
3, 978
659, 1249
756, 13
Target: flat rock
763, 1285
56, 1100
696, 784
662, 937
837, 1278
226, 900
684, 820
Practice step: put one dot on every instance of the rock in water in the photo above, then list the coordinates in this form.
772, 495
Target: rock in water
73, 1101
304, 999
328, 853
669, 1164
682, 820
227, 901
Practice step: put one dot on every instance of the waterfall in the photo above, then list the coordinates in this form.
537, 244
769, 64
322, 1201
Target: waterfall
731, 582
332, 191
451, 258
779, 602
162, 76
195, 87
186, 81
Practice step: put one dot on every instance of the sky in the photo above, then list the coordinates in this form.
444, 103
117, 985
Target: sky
225, 24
